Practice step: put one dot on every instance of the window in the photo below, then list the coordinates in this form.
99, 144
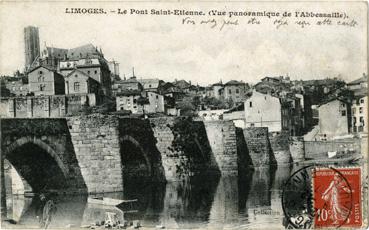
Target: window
361, 110
75, 75
41, 79
252, 125
250, 104
230, 91
353, 110
361, 101
149, 86
42, 87
40, 72
343, 105
237, 91
88, 71
157, 97
343, 113
76, 86
95, 71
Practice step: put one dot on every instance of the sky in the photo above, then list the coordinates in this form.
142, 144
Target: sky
162, 47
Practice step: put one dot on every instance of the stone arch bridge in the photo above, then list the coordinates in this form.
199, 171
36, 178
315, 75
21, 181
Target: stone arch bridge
93, 154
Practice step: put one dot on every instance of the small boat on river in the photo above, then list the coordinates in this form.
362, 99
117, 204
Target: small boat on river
109, 201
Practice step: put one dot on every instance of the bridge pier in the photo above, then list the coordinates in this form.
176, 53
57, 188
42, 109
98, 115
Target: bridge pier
223, 142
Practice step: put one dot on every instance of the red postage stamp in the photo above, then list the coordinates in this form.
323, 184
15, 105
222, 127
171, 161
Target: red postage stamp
337, 197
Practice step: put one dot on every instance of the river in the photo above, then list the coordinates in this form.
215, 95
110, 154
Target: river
248, 201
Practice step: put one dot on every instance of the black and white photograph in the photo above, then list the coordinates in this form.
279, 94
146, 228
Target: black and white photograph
184, 114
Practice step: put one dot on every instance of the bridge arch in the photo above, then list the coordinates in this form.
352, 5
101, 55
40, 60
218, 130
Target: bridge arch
38, 163
140, 155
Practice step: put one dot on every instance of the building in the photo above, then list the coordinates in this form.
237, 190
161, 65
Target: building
359, 107
263, 110
151, 85
359, 83
77, 82
128, 100
52, 56
359, 111
217, 90
31, 45
182, 84
126, 85
271, 79
15, 86
45, 81
292, 114
334, 118
156, 103
235, 91
168, 89
91, 61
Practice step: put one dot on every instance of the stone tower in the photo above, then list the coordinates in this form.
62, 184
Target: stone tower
32, 45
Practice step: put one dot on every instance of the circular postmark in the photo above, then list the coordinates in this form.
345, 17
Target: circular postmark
313, 194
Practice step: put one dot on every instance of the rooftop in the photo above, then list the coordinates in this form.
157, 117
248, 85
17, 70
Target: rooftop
234, 82
363, 79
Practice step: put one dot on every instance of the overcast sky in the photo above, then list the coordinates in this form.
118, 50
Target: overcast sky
159, 46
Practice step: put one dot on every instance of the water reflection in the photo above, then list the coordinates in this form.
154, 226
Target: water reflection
251, 200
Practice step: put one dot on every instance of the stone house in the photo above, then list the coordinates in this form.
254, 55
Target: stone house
156, 103
263, 110
334, 118
236, 91
278, 113
90, 61
170, 90
45, 81
128, 100
77, 82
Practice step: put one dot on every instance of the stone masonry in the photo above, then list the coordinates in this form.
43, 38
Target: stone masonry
175, 163
222, 139
96, 143
258, 145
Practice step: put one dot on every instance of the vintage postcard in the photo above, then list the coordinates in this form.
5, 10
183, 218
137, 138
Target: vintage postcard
184, 115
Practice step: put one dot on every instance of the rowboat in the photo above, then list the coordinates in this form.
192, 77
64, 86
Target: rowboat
109, 201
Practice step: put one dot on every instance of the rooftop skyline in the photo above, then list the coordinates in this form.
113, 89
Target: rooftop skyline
160, 47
